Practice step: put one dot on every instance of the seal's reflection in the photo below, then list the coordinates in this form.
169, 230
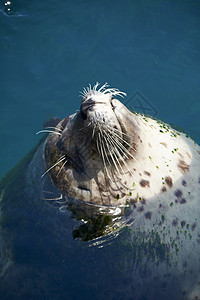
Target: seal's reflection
91, 221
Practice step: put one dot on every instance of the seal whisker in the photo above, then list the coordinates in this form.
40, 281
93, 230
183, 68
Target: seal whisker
124, 162
114, 131
54, 199
62, 166
97, 143
89, 88
116, 150
114, 92
115, 155
95, 86
102, 88
102, 154
124, 141
113, 144
48, 131
85, 91
89, 124
117, 130
61, 159
107, 144
81, 94
104, 148
124, 149
94, 128
55, 128
113, 159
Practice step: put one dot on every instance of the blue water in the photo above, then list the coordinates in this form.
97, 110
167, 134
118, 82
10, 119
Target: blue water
50, 50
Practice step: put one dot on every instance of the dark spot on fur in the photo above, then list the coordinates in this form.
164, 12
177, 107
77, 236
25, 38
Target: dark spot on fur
163, 285
144, 183
148, 215
183, 223
147, 173
155, 278
175, 222
184, 292
140, 209
140, 174
143, 201
122, 194
178, 193
169, 181
160, 206
164, 144
146, 272
184, 183
139, 138
167, 275
193, 226
182, 201
134, 205
185, 264
183, 166
134, 200
150, 145
164, 189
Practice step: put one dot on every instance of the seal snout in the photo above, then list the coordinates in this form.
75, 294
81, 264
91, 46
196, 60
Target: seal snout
85, 106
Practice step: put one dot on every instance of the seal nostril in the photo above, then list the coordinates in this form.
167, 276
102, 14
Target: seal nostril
83, 115
85, 106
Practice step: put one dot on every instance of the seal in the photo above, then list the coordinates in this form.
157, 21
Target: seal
105, 168
106, 155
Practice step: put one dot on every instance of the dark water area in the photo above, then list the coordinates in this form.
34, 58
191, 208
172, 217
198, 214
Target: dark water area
49, 51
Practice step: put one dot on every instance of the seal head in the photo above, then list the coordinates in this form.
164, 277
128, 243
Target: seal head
106, 155
88, 155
